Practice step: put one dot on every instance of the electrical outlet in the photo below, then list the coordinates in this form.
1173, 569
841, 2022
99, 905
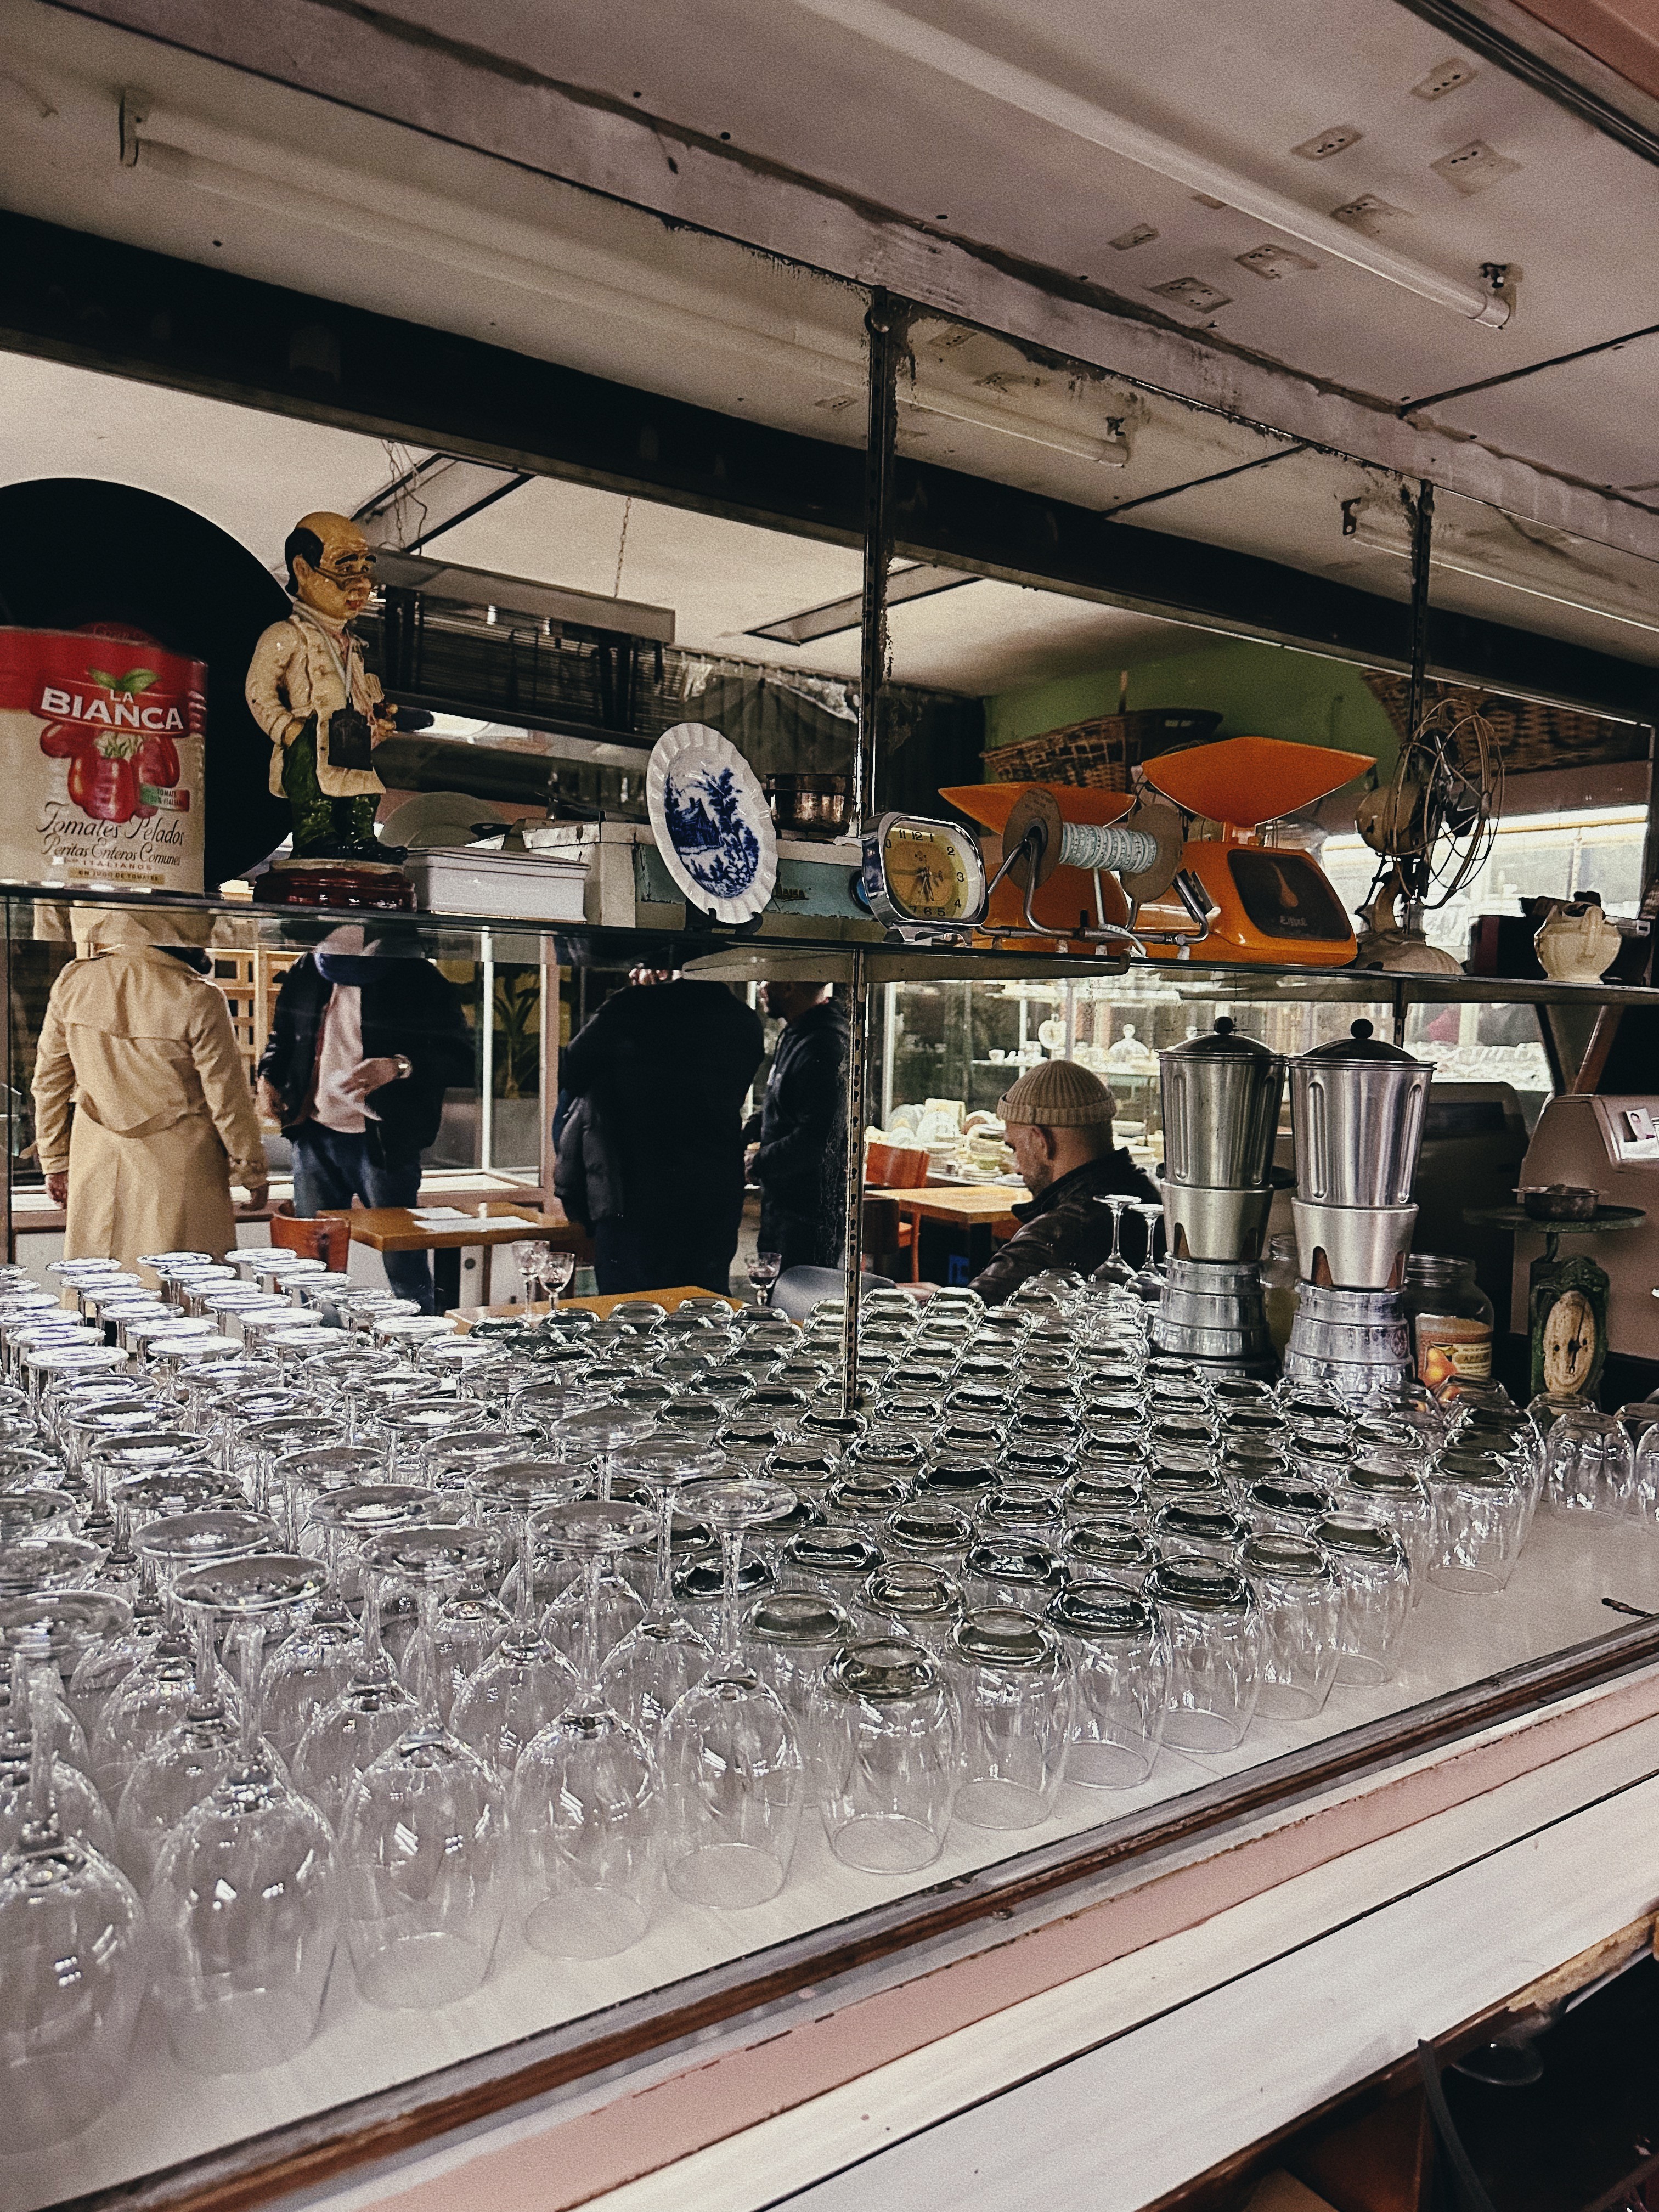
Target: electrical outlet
1368, 215
1142, 234
1193, 293
1446, 77
1475, 167
1336, 140
1274, 261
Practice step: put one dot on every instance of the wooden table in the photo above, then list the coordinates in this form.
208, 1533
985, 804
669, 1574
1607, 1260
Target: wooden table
970, 1206
395, 1229
670, 1299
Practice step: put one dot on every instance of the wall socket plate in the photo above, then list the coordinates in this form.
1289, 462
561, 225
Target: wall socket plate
1446, 77
1274, 261
1193, 293
1475, 167
1369, 215
1336, 140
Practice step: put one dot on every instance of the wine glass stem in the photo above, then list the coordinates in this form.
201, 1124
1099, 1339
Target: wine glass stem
1117, 1228
374, 1659
39, 1711
592, 1569
731, 1559
431, 1714
604, 1476
253, 1701
664, 1547
207, 1662
524, 1609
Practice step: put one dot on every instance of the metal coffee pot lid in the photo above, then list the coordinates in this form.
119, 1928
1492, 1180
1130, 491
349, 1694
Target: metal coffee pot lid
1223, 1042
1361, 1043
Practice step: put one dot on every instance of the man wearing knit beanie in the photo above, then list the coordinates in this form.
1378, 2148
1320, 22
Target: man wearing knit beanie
1059, 1119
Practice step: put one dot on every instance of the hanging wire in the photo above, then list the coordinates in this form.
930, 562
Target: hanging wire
622, 547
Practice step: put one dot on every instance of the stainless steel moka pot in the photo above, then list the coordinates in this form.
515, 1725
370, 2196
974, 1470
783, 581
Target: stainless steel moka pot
1357, 1109
1221, 1095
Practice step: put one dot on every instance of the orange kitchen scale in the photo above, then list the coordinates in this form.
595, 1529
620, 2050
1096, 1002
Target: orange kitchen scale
1268, 902
1264, 902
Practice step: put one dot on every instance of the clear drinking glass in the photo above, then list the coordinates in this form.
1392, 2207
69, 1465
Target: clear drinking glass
914, 1597
1208, 1611
664, 1655
1120, 1665
1588, 1464
730, 1761
1299, 1600
1482, 1510
587, 1794
423, 1830
1371, 1563
526, 1682
886, 1743
1012, 1677
71, 1968
245, 1905
792, 1635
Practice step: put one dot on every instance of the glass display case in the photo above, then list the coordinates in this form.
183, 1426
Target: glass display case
756, 1657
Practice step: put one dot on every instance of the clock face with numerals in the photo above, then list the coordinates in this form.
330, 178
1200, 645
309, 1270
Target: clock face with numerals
928, 871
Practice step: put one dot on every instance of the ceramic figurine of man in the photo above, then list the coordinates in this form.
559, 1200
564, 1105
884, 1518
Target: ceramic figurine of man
308, 691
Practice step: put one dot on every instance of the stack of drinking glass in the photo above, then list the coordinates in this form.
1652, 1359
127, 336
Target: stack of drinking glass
341, 1640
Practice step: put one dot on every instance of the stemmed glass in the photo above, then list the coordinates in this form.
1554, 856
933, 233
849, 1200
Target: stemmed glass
423, 1834
72, 1940
547, 1267
371, 1710
663, 1655
763, 1271
1115, 1268
527, 1681
1148, 1282
245, 1906
586, 1792
39, 1633
729, 1750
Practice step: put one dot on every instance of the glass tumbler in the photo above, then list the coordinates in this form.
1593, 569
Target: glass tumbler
1589, 1464
1208, 1611
885, 1741
1371, 1565
1299, 1602
1121, 1666
1012, 1676
1482, 1508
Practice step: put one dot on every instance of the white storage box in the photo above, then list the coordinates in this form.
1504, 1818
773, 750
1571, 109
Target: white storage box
516, 886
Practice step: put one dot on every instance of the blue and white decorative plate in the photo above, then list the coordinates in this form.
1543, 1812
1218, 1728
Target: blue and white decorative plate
711, 821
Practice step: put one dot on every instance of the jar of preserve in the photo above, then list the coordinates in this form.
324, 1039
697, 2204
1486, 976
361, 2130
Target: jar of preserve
1452, 1320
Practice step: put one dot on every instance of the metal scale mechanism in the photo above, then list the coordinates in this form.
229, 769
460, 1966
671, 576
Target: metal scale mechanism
1357, 1108
1221, 1095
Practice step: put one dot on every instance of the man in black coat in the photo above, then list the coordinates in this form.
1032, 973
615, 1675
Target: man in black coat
365, 1038
664, 1067
800, 1161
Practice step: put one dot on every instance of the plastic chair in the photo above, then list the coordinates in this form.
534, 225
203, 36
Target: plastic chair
797, 1289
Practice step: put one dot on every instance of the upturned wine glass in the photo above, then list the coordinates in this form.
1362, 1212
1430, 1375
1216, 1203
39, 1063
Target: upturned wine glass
33, 1633
586, 1796
664, 1655
423, 1831
245, 1905
730, 1755
71, 1965
525, 1681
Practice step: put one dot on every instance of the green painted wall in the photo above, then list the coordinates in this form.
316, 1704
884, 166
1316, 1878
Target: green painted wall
1260, 691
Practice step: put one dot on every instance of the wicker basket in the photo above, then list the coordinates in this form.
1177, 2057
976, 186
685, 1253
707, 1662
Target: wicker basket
1099, 753
1530, 735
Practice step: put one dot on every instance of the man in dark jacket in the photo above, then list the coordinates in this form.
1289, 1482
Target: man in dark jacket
664, 1067
800, 1161
1059, 1119
365, 1040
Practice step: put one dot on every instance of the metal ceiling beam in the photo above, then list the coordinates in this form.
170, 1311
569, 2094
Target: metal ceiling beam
462, 95
65, 295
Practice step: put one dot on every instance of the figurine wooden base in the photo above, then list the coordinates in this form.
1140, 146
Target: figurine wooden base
336, 884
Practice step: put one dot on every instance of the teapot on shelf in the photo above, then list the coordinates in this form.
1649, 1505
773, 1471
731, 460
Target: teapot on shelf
1577, 943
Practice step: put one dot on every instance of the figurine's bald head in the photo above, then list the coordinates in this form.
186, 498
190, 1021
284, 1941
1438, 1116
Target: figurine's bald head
330, 565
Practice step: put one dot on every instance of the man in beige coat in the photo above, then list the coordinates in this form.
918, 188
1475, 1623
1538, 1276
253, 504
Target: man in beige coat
140, 1043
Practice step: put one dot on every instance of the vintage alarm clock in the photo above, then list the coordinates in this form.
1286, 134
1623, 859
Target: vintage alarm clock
921, 877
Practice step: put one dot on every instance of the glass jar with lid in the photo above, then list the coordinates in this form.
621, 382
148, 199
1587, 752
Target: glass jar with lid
1451, 1320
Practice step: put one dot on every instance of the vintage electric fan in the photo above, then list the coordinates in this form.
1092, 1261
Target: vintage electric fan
1266, 902
1432, 826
